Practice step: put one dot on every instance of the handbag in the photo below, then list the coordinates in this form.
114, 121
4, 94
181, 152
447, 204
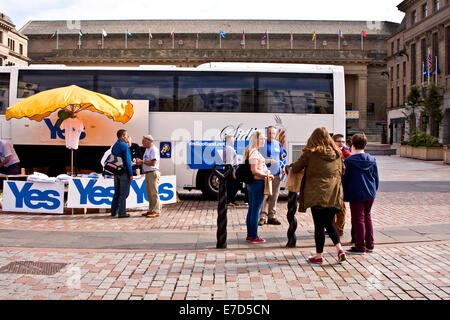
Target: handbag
114, 165
294, 180
267, 186
244, 173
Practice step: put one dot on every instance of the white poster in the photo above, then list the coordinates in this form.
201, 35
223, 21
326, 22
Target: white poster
99, 130
98, 193
27, 196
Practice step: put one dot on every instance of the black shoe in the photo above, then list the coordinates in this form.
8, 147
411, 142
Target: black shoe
125, 216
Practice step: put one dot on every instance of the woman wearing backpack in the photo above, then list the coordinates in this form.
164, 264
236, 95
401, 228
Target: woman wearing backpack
255, 188
321, 188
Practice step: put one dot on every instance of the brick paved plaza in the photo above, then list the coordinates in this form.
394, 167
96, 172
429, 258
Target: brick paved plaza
174, 256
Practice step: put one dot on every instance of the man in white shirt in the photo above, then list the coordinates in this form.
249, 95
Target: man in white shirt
230, 157
150, 166
9, 161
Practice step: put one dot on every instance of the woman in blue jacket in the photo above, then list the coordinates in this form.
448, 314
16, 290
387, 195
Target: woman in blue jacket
360, 183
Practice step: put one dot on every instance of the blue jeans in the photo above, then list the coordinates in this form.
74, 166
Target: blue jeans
255, 200
121, 192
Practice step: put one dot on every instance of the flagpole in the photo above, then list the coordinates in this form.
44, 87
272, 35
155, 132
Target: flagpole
126, 36
423, 68
149, 39
57, 38
435, 70
102, 39
267, 39
173, 40
339, 42
362, 42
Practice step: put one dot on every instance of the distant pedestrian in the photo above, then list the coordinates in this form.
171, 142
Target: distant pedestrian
9, 161
136, 153
230, 157
360, 187
256, 188
273, 152
150, 165
122, 182
340, 216
321, 188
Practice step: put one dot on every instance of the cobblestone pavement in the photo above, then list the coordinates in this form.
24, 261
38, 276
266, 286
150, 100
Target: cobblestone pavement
401, 267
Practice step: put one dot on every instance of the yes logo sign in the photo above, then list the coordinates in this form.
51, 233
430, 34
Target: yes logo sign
98, 193
26, 196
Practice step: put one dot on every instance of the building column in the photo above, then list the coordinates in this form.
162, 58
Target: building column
362, 101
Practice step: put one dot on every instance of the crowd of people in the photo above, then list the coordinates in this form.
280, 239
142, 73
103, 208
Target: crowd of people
335, 171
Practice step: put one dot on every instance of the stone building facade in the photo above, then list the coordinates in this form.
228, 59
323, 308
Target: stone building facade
423, 35
362, 50
13, 44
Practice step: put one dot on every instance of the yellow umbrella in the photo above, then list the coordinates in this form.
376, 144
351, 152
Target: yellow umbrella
42, 104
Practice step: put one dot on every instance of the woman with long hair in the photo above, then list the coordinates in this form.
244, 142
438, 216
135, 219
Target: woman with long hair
256, 188
321, 188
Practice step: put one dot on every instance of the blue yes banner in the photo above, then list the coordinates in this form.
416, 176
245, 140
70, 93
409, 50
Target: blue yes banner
203, 154
27, 196
98, 193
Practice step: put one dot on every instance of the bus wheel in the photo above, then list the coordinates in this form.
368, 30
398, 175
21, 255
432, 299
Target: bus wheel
210, 185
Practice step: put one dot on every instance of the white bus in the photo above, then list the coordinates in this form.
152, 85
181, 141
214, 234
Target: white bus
188, 111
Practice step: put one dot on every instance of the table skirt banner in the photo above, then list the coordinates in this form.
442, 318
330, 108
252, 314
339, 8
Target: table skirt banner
28, 196
98, 193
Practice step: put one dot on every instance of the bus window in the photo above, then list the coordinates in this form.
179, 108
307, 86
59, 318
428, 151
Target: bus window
4, 92
35, 81
156, 87
221, 92
293, 93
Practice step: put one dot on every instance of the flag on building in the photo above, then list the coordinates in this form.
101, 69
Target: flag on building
314, 36
150, 34
364, 34
430, 61
172, 34
54, 34
197, 36
243, 35
265, 36
80, 34
129, 33
104, 33
292, 37
437, 66
222, 34
341, 35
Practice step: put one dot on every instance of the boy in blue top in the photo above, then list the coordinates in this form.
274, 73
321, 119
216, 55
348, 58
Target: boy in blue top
275, 156
360, 183
122, 182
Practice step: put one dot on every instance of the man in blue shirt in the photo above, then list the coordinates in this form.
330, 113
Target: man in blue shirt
275, 161
122, 182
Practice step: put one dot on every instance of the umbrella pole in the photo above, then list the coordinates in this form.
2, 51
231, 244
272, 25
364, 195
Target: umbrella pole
71, 166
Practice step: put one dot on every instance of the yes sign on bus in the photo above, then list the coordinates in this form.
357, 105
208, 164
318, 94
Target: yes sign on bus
98, 193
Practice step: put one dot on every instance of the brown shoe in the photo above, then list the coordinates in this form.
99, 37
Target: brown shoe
273, 221
153, 215
145, 214
261, 222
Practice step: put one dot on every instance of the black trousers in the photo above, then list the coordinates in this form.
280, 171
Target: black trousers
324, 219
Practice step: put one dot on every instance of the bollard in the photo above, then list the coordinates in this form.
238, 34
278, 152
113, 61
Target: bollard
292, 209
222, 206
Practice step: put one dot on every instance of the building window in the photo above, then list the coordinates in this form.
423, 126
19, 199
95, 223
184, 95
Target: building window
423, 52
413, 64
392, 97
398, 45
392, 47
21, 48
404, 93
404, 69
435, 49
1, 37
391, 73
11, 44
398, 71
448, 50
436, 5
398, 96
424, 11
414, 17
